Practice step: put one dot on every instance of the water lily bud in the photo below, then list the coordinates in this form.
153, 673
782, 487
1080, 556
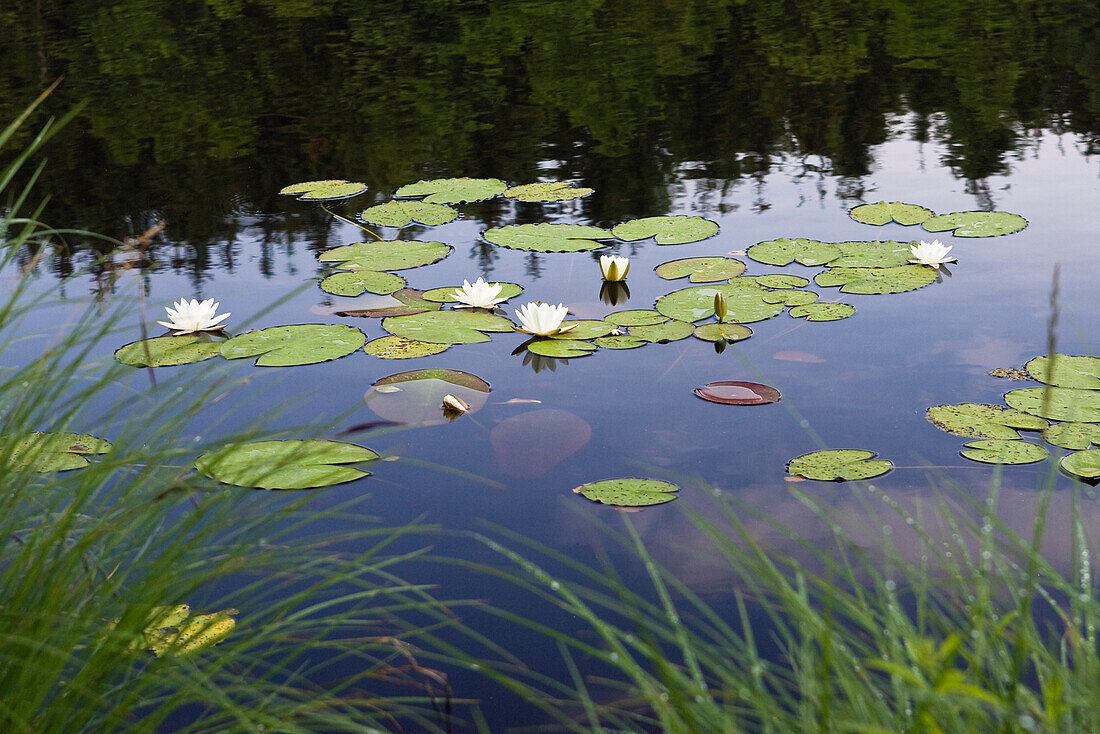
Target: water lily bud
720, 308
450, 402
613, 267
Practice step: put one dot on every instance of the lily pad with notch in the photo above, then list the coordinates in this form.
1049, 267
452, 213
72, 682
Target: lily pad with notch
1084, 465
386, 255
404, 213
446, 294
784, 251
745, 303
701, 269
884, 212
447, 327
453, 190
875, 281
299, 344
585, 329
636, 317
622, 341
880, 254
677, 229
1073, 436
976, 224
975, 420
1065, 370
628, 492
790, 297
325, 190
561, 348
358, 282
416, 397
669, 331
1057, 403
291, 464
720, 332
398, 347
548, 191
738, 392
1003, 451
838, 465
165, 351
822, 311
778, 281
548, 237
52, 451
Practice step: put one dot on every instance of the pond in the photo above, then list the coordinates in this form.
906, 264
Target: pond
771, 121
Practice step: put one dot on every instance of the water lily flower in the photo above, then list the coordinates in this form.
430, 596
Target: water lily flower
542, 319
478, 295
613, 267
190, 316
932, 253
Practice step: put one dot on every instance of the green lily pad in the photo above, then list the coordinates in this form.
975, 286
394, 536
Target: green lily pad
404, 213
1002, 451
882, 254
285, 464
285, 346
1064, 370
325, 190
446, 295
548, 191
447, 327
548, 237
976, 224
716, 332
628, 492
823, 311
163, 351
404, 302
386, 255
877, 280
398, 347
677, 229
790, 297
784, 251
416, 397
884, 212
357, 282
636, 317
623, 341
983, 421
1074, 436
744, 304
1057, 403
50, 452
585, 329
773, 280
838, 465
454, 190
669, 331
167, 634
701, 269
1083, 464
561, 348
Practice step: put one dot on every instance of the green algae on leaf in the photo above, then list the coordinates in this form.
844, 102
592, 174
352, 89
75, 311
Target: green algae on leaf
453, 190
398, 347
386, 255
1057, 403
784, 251
701, 269
676, 229
357, 282
404, 213
1074, 436
983, 421
1003, 451
447, 327
822, 311
628, 492
874, 281
164, 351
622, 341
560, 348
718, 332
50, 452
884, 212
636, 317
669, 331
286, 346
325, 190
285, 464
548, 237
838, 465
745, 303
1064, 370
976, 224
1082, 464
446, 294
549, 191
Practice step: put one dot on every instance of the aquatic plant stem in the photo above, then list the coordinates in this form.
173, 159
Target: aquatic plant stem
352, 223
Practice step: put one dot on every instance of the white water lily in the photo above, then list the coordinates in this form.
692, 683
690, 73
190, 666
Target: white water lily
613, 267
542, 319
932, 253
478, 295
190, 316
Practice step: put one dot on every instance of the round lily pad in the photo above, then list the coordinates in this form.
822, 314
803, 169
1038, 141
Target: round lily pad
628, 492
1002, 451
823, 311
284, 346
446, 294
623, 341
784, 251
325, 190
744, 304
877, 280
386, 255
1057, 403
404, 302
976, 224
676, 229
737, 392
838, 465
1073, 436
888, 254
561, 348
884, 212
447, 327
548, 237
163, 351
357, 282
772, 280
54, 451
454, 190
1064, 370
404, 213
669, 331
585, 329
285, 464
983, 421
790, 297
416, 397
547, 191
1082, 464
398, 347
701, 269
728, 332
532, 443
636, 317
304, 186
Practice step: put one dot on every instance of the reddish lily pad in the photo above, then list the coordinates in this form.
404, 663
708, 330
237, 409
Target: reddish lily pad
737, 392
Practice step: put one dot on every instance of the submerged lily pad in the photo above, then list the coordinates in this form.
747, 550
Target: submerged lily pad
454, 190
883, 212
285, 464
838, 465
636, 317
547, 191
561, 348
164, 351
386, 255
983, 421
357, 282
1064, 370
285, 346
404, 213
744, 304
784, 251
324, 190
446, 294
738, 392
728, 332
447, 327
416, 397
50, 452
404, 302
676, 229
669, 331
823, 311
872, 281
532, 443
701, 269
1082, 464
1073, 436
398, 347
1002, 451
628, 492
976, 224
548, 237
1057, 403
